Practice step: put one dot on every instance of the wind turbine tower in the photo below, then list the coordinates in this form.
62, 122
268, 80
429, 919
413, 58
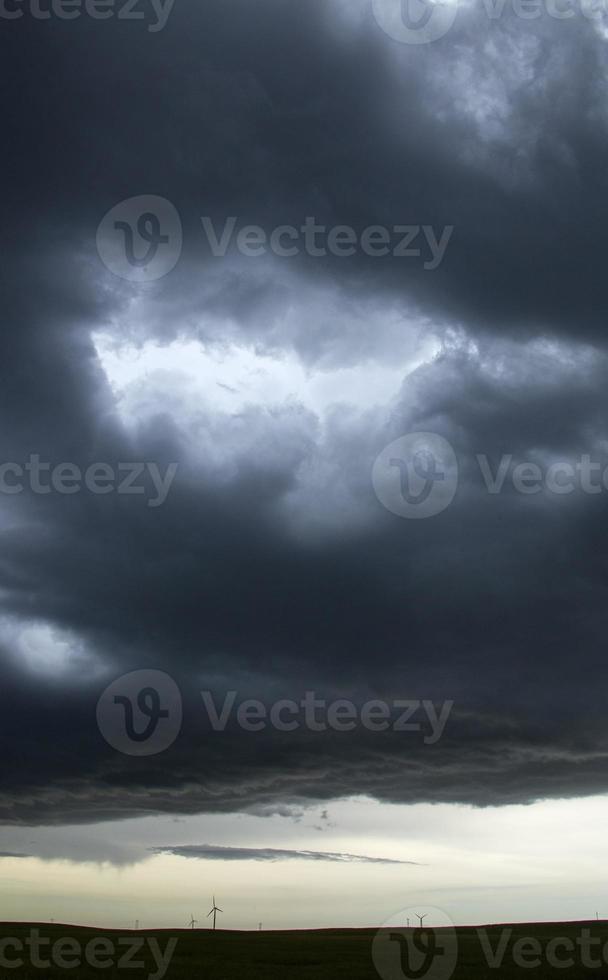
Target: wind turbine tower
214, 912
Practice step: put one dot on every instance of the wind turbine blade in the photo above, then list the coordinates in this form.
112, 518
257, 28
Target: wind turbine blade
219, 910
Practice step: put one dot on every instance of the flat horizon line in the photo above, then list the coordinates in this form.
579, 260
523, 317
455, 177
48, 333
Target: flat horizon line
210, 929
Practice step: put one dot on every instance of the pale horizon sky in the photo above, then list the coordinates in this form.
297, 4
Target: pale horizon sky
508, 864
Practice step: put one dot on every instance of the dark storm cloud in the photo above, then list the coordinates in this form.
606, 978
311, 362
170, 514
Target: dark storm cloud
272, 568
210, 852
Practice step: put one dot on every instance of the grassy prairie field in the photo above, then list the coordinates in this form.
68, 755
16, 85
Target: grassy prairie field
327, 954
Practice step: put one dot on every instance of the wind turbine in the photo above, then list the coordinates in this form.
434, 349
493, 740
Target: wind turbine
421, 917
192, 922
214, 912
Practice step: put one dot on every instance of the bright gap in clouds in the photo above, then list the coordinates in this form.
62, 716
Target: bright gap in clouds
46, 650
227, 379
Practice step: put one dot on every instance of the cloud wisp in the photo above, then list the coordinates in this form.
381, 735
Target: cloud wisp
214, 852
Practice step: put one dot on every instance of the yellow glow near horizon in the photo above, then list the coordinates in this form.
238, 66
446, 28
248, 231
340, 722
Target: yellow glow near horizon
498, 864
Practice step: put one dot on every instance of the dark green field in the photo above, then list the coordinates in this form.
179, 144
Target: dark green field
335, 954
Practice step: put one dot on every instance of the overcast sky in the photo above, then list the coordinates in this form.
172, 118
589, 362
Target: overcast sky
260, 396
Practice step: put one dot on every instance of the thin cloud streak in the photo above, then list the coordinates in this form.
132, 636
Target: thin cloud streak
212, 852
